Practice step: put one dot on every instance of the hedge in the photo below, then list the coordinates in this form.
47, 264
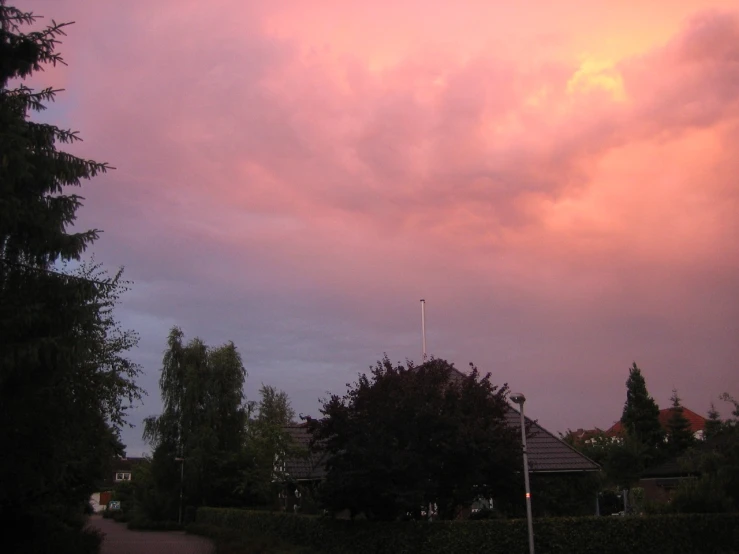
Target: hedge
655, 534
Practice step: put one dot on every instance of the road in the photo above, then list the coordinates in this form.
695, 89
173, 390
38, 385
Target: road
119, 540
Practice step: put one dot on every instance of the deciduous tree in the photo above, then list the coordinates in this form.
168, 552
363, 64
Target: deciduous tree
268, 444
403, 437
203, 420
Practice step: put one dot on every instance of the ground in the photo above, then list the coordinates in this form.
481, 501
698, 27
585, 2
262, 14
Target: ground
120, 540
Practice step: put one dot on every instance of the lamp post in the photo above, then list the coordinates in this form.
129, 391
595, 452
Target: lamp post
182, 481
519, 399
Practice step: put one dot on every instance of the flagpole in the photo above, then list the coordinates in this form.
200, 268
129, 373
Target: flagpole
423, 330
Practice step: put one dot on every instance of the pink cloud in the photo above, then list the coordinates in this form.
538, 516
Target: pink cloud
564, 212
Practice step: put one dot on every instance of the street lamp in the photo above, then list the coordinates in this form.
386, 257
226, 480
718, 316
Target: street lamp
182, 481
519, 399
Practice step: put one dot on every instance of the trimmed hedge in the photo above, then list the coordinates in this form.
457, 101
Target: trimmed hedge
658, 534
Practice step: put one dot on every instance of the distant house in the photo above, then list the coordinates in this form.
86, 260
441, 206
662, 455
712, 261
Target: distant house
697, 423
547, 454
308, 469
121, 471
660, 482
582, 437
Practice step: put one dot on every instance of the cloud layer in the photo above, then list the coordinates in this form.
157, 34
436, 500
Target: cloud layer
560, 185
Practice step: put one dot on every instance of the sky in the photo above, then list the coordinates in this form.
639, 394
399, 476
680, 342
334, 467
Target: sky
557, 179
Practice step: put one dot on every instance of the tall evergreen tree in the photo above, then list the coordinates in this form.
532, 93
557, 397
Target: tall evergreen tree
63, 373
640, 416
679, 435
713, 423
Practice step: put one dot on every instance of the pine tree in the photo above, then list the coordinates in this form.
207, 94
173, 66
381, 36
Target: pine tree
679, 435
63, 374
640, 416
713, 423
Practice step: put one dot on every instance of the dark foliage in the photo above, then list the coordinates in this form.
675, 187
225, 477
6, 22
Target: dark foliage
202, 427
666, 534
679, 435
640, 416
404, 437
64, 379
715, 463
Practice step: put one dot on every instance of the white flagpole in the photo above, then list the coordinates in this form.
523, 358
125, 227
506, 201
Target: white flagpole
423, 329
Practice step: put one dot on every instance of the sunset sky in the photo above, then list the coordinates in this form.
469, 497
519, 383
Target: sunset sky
557, 179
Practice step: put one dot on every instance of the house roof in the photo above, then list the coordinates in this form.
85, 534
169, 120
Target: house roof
670, 468
697, 421
546, 452
125, 464
310, 468
581, 436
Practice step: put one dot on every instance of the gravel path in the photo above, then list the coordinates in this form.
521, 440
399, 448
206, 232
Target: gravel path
119, 540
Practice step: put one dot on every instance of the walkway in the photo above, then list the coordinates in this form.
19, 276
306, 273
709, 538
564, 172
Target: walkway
119, 540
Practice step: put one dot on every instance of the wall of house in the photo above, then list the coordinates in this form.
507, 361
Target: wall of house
658, 490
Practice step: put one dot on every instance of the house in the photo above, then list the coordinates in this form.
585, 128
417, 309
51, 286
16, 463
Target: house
660, 482
120, 471
308, 469
547, 454
697, 423
582, 437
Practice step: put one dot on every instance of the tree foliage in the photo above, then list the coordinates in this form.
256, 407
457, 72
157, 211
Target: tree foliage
640, 416
407, 436
679, 434
268, 445
713, 423
716, 463
203, 421
65, 380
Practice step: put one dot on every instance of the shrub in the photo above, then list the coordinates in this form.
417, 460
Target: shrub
43, 534
658, 534
120, 516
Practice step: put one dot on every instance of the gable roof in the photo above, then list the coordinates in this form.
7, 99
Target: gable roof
310, 468
125, 464
547, 453
697, 421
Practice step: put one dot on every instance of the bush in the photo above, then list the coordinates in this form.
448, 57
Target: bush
42, 534
120, 516
229, 541
658, 534
486, 514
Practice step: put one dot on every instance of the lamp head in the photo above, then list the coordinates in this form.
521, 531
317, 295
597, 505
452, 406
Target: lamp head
518, 398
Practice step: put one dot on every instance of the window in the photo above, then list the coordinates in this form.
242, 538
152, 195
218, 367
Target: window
123, 476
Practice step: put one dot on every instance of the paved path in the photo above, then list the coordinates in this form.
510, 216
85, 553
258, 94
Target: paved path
119, 540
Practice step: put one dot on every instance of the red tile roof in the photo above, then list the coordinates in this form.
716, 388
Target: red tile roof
697, 422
